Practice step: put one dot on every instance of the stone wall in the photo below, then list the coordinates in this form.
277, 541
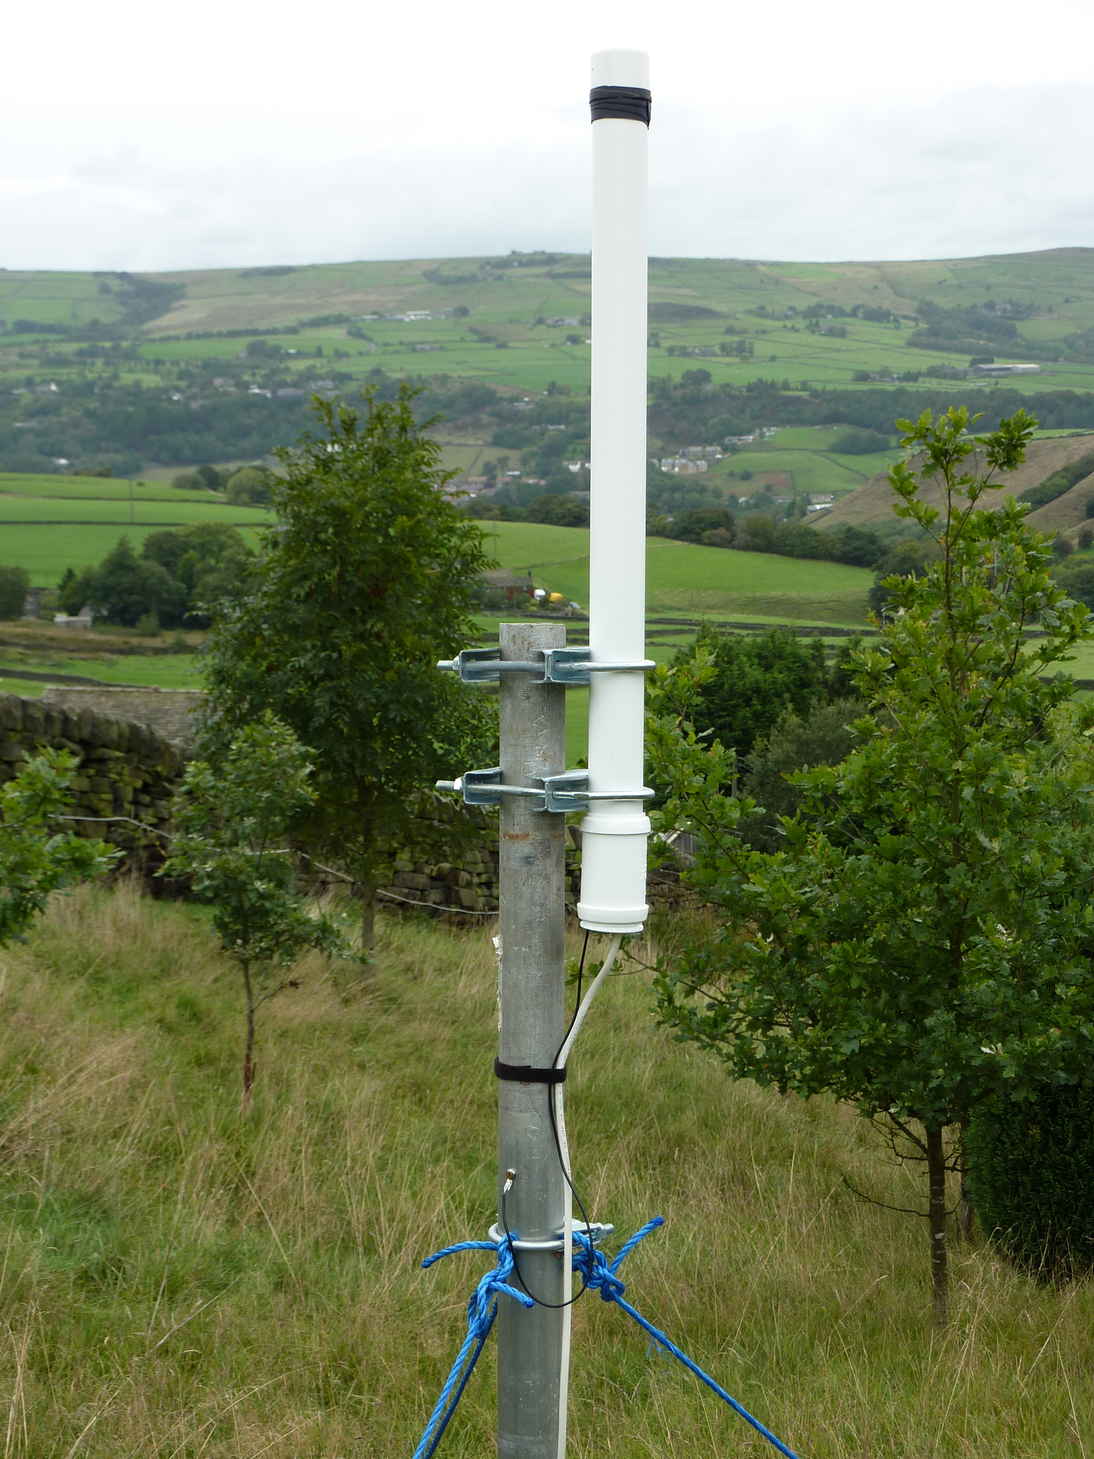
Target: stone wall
129, 770
125, 770
169, 713
458, 872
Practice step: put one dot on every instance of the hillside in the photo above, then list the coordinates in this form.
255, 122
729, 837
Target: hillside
182, 1280
872, 503
774, 387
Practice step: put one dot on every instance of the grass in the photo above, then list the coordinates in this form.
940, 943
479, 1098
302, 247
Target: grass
23, 510
104, 488
47, 549
177, 1280
696, 581
164, 671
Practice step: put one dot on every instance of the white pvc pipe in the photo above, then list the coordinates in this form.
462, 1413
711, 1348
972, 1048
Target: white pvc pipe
614, 832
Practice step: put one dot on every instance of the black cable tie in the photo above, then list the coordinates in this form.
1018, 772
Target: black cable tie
632, 103
527, 1074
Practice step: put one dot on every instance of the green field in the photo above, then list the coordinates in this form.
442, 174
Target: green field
51, 523
509, 335
18, 510
47, 551
92, 488
160, 670
693, 581
683, 581
182, 1280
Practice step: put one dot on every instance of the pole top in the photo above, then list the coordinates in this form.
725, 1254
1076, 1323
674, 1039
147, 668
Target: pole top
621, 68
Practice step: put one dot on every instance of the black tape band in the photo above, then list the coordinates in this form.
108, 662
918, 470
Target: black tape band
630, 102
526, 1074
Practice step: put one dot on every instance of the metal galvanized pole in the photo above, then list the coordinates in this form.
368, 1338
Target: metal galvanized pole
532, 876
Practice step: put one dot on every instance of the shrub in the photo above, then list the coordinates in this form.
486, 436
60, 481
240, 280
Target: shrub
14, 583
1031, 1178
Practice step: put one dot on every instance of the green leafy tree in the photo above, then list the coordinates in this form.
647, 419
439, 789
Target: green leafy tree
36, 857
232, 823
923, 941
248, 487
366, 582
753, 679
823, 735
125, 587
208, 562
14, 584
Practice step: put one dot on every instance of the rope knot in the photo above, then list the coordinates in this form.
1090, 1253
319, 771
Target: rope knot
595, 1271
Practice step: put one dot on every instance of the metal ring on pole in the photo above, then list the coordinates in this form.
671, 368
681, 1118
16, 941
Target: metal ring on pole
595, 1230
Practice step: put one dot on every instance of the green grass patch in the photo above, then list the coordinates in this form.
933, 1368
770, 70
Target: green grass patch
46, 550
181, 1280
682, 578
163, 671
135, 512
106, 488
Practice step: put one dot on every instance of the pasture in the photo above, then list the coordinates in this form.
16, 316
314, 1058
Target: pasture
693, 581
46, 550
516, 318
181, 1280
95, 488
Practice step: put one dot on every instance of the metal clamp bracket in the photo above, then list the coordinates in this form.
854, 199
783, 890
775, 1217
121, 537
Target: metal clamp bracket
558, 666
484, 787
574, 666
485, 666
568, 791
595, 1231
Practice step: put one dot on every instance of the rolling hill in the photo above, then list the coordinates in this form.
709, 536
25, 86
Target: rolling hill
872, 503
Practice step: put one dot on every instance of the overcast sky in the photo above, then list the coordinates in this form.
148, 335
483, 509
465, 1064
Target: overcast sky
211, 134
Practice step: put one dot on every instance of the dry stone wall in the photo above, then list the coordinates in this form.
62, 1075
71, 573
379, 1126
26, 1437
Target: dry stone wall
170, 713
125, 778
128, 771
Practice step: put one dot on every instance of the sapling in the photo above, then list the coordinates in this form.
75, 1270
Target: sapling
231, 821
922, 938
36, 858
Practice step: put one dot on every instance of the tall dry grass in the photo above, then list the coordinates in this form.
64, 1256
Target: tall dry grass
176, 1280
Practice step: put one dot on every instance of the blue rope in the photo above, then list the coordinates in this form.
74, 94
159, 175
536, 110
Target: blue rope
601, 1275
598, 1273
481, 1311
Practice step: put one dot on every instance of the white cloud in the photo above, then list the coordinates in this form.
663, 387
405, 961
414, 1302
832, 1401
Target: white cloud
226, 135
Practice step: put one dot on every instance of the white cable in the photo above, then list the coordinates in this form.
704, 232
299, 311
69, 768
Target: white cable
568, 1198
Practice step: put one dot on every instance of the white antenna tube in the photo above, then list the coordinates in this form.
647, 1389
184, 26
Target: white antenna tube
614, 832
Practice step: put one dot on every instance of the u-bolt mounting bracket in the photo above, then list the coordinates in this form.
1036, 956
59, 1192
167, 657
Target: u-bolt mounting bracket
557, 666
568, 791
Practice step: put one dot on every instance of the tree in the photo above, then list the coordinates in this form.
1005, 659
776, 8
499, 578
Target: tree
692, 526
35, 857
823, 735
208, 563
248, 487
754, 679
366, 582
923, 941
909, 558
14, 585
125, 587
232, 821
558, 511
